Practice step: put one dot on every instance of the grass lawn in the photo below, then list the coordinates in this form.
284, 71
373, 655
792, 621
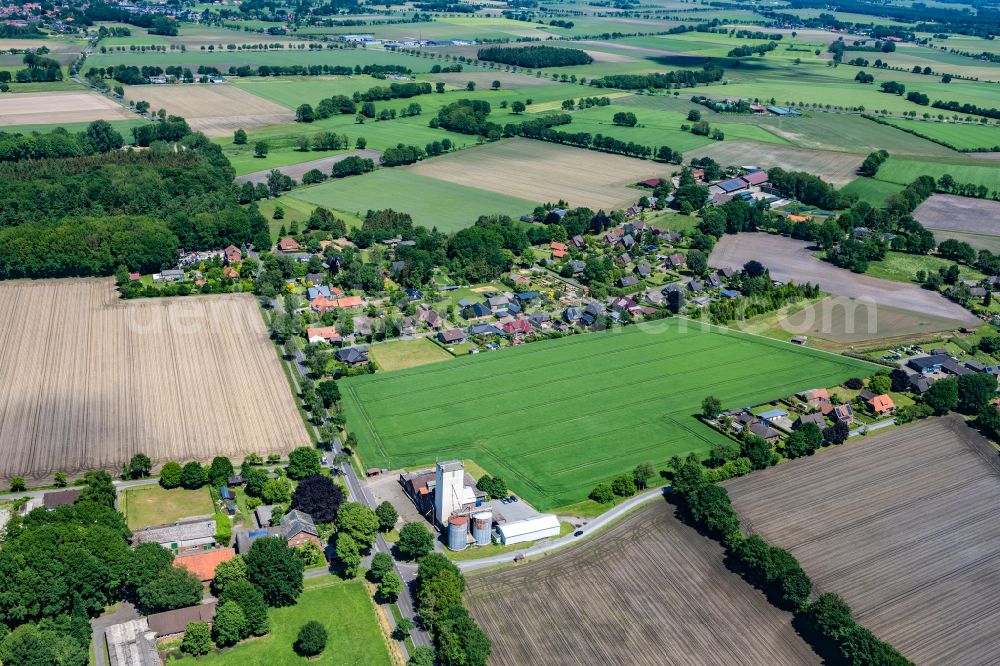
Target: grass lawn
347, 612
871, 190
431, 202
905, 171
153, 505
556, 418
407, 354
903, 267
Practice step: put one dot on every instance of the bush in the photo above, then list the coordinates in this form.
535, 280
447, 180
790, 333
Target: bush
311, 640
623, 486
230, 625
193, 476
197, 639
854, 383
602, 494
170, 475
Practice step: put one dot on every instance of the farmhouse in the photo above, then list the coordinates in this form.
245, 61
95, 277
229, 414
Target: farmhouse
181, 536
558, 249
203, 564
174, 622
288, 244
451, 336
327, 334
755, 178
296, 527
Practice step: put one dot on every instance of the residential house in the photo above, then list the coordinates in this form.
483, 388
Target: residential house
323, 304
623, 259
396, 267
815, 418
485, 329
452, 336
591, 313
353, 355
414, 294
843, 413
326, 334
312, 293
429, 316
408, 325
622, 304
764, 431
813, 397
577, 266
713, 280
363, 324
643, 269
498, 302
174, 622
727, 272
59, 498
540, 320
477, 311
180, 536
202, 564
919, 383
315, 279
656, 297
297, 528
628, 281
518, 279
578, 242
694, 286
572, 314
881, 404
288, 244
527, 297
230, 272
627, 241
729, 293
517, 327
233, 254
676, 261
558, 249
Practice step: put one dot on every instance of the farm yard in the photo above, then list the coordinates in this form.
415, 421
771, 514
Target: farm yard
838, 169
555, 418
790, 259
88, 381
216, 110
59, 108
539, 171
648, 591
903, 526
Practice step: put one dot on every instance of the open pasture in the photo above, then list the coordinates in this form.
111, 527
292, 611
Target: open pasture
648, 591
838, 169
86, 380
978, 171
407, 354
962, 136
903, 526
216, 110
57, 108
556, 418
539, 171
950, 213
430, 201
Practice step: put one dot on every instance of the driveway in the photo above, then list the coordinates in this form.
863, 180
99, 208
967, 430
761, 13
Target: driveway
296, 171
791, 259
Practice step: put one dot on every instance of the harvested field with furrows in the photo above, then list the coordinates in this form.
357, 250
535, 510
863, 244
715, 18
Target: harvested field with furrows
903, 526
648, 591
58, 107
86, 380
540, 171
838, 169
946, 211
215, 109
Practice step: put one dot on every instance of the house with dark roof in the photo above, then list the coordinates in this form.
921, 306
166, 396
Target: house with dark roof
764, 431
643, 269
174, 622
577, 241
919, 383
296, 527
540, 320
928, 364
477, 311
353, 355
731, 185
414, 294
695, 286
484, 329
59, 498
676, 261
713, 280
623, 259
572, 314
452, 336
628, 281
815, 418
577, 266
627, 241
429, 316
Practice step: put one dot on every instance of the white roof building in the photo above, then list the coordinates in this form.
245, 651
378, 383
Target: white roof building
543, 526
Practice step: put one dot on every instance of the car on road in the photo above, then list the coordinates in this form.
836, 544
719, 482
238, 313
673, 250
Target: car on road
578, 533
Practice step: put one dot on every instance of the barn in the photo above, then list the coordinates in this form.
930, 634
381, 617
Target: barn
540, 527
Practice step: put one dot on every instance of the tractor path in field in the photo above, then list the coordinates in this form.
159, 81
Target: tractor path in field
296, 171
790, 259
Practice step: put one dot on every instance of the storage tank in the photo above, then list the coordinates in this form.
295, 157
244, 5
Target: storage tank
481, 524
458, 531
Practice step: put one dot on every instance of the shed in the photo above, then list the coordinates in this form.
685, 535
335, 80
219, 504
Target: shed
532, 529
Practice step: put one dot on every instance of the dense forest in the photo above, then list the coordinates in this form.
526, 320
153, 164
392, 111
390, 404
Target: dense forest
676, 78
534, 56
86, 214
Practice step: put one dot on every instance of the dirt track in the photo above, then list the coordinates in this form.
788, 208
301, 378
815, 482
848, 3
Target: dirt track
296, 171
791, 259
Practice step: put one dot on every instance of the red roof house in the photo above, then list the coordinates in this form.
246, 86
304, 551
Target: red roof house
517, 327
233, 254
288, 244
558, 249
203, 564
755, 178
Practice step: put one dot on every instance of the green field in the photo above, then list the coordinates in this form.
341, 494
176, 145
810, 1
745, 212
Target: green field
124, 127
871, 190
153, 505
961, 136
905, 171
903, 267
556, 418
431, 202
347, 612
403, 354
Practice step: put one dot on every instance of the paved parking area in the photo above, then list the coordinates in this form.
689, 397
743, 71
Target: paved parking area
385, 487
514, 511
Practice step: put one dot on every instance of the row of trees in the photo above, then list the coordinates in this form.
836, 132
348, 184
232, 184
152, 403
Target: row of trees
677, 78
458, 639
99, 137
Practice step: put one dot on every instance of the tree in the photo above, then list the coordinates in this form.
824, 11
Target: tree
470, 86
387, 516
230, 625
260, 149
192, 476
220, 470
623, 486
304, 113
712, 508
899, 380
625, 118
389, 587
170, 475
804, 441
173, 587
251, 602
254, 479
99, 489
697, 262
837, 433
60, 479
147, 562
495, 85
975, 391
381, 565
197, 639
403, 628
318, 496
642, 473
517, 107
460, 641
942, 396
758, 451
711, 407
880, 384
229, 572
754, 268
139, 466
276, 491
348, 553
17, 484
360, 522
303, 461
602, 493
494, 486
311, 640
421, 655
329, 392
415, 541
275, 570
240, 137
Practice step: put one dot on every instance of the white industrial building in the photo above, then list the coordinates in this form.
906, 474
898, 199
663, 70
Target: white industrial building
545, 525
451, 494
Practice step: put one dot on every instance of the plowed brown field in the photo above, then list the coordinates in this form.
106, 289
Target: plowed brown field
86, 380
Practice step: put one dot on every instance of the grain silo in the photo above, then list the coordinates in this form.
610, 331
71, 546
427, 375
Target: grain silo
482, 523
458, 532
